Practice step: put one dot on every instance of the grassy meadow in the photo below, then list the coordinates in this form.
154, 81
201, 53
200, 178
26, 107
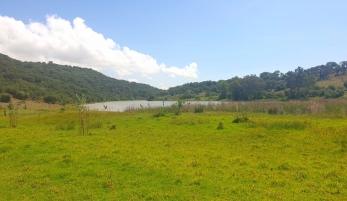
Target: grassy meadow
333, 80
233, 151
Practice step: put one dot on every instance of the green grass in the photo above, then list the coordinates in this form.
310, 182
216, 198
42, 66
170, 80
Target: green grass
139, 155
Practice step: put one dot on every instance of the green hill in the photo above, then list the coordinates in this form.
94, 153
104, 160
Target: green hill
60, 83
55, 83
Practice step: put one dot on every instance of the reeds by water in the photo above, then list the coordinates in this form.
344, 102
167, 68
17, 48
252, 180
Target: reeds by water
316, 107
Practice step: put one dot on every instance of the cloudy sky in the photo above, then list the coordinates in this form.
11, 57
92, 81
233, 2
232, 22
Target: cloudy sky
169, 43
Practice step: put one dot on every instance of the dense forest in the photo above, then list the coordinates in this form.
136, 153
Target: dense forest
55, 83
297, 84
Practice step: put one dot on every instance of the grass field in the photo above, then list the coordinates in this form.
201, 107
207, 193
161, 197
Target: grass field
155, 155
333, 80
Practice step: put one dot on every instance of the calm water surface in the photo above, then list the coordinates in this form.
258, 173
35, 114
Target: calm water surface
120, 106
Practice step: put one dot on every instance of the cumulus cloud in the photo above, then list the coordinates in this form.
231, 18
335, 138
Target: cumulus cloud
132, 80
146, 76
162, 86
188, 71
77, 44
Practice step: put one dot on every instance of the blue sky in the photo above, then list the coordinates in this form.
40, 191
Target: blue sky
169, 43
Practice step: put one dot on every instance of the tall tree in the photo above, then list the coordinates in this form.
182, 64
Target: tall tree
223, 89
236, 90
253, 86
343, 66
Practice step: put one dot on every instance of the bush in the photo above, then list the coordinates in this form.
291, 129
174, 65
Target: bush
21, 95
150, 98
220, 126
10, 106
241, 119
199, 109
50, 99
113, 127
11, 90
161, 113
332, 88
5, 98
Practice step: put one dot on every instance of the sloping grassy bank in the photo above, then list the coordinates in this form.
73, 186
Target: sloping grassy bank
136, 156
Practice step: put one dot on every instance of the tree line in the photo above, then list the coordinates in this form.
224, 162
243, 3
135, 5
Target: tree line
298, 84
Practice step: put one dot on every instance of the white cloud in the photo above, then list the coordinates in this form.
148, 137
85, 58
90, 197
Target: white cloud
132, 80
187, 72
77, 44
146, 76
162, 86
123, 72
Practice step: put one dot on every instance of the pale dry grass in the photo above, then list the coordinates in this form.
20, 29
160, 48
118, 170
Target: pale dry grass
323, 107
333, 80
31, 105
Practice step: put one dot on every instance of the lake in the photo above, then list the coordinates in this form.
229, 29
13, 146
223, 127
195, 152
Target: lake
120, 106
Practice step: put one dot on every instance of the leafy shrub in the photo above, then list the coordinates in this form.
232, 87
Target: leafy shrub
333, 94
11, 90
161, 113
113, 127
332, 88
220, 126
241, 119
199, 109
150, 98
180, 103
10, 106
345, 84
50, 99
21, 95
5, 98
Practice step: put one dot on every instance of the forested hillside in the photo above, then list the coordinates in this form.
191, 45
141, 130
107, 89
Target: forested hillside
298, 84
55, 83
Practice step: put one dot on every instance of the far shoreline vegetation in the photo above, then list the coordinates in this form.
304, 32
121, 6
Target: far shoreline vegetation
59, 84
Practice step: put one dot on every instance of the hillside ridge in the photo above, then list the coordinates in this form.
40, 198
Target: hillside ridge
54, 83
